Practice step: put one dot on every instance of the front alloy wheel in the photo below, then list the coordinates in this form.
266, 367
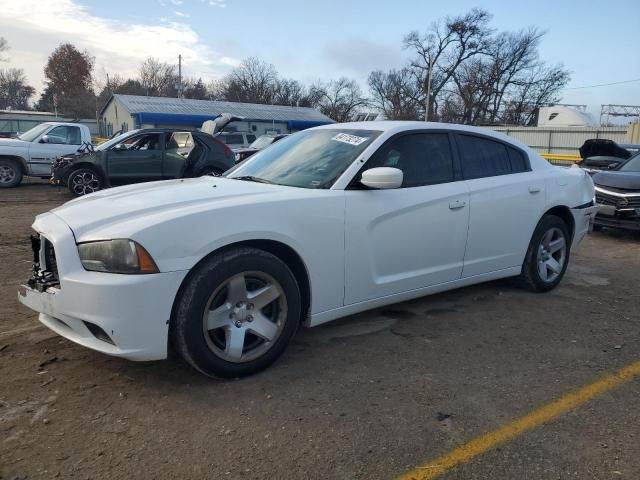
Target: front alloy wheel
84, 181
236, 312
244, 316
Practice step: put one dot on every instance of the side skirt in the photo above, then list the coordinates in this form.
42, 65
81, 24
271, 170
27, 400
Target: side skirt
327, 316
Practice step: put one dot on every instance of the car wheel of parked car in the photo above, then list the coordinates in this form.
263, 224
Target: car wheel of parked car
548, 255
236, 313
10, 173
84, 181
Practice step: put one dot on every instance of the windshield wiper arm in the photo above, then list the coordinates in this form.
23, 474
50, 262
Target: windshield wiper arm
251, 178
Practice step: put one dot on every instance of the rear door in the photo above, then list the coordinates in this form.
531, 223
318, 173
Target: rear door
178, 145
507, 200
136, 159
412, 237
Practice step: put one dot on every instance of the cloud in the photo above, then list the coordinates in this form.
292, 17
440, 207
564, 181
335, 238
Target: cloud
218, 3
34, 28
181, 14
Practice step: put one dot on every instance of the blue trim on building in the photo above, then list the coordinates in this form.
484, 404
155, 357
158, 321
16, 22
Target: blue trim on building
172, 119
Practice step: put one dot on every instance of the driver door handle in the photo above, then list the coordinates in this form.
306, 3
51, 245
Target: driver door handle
534, 189
457, 204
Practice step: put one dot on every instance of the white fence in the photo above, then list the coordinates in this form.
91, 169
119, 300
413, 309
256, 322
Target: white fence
562, 140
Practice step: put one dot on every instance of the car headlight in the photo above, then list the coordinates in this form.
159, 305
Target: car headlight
116, 256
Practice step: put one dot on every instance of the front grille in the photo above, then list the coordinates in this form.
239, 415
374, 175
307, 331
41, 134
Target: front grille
50, 263
617, 201
45, 265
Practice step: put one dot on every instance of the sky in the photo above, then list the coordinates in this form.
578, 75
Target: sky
309, 40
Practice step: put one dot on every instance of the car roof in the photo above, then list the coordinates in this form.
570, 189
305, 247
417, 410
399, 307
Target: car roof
397, 126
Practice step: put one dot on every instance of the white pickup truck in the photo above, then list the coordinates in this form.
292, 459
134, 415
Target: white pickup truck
33, 152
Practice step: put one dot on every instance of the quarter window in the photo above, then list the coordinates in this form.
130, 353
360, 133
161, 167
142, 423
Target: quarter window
481, 157
424, 158
519, 162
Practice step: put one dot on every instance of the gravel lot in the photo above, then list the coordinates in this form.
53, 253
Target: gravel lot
367, 397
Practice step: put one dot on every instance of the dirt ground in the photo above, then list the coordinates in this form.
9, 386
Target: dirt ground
368, 397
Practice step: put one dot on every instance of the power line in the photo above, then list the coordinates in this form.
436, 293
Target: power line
603, 84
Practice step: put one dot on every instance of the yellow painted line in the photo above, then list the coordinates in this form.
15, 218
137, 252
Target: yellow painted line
483, 443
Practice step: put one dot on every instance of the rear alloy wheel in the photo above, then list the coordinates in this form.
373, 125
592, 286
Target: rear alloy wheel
10, 173
237, 313
548, 255
84, 181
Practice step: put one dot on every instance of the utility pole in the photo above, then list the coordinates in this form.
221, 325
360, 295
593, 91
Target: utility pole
428, 101
179, 76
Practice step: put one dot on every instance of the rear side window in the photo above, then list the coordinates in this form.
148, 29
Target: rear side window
481, 157
251, 138
518, 160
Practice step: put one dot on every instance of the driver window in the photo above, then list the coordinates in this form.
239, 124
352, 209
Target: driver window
424, 158
150, 141
64, 135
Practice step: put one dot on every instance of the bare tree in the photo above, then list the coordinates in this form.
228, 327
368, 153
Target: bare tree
443, 48
396, 94
158, 79
4, 46
339, 99
14, 90
254, 81
291, 92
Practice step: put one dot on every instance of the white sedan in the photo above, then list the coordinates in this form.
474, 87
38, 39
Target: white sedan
325, 223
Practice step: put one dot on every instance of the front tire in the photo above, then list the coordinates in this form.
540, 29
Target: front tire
10, 173
236, 313
84, 181
548, 255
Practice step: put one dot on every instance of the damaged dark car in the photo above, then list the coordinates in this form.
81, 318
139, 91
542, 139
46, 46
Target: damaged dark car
618, 196
602, 154
142, 156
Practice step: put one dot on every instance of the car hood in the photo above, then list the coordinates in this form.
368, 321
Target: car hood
13, 142
622, 180
119, 210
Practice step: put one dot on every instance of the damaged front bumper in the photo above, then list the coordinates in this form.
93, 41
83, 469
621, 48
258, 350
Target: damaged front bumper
121, 315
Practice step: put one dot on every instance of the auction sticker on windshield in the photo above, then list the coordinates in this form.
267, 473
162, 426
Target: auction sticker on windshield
350, 139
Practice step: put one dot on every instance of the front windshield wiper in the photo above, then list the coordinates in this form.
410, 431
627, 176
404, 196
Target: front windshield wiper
251, 178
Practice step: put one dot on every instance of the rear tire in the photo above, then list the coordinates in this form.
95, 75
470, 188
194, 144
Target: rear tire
547, 256
10, 173
84, 181
236, 313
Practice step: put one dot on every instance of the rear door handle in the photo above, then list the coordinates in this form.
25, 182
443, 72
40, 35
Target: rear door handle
534, 189
457, 204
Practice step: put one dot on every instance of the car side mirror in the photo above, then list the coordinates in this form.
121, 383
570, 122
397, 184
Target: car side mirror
613, 166
118, 148
382, 178
44, 139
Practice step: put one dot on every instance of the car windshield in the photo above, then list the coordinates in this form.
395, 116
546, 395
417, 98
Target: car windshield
631, 165
35, 132
308, 159
115, 140
262, 142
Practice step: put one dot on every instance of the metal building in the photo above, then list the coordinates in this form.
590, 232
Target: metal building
126, 112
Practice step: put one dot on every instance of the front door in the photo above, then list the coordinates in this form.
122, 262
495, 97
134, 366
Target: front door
60, 140
411, 237
136, 159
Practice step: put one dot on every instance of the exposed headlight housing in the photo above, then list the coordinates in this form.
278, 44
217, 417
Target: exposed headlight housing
238, 157
116, 256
